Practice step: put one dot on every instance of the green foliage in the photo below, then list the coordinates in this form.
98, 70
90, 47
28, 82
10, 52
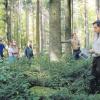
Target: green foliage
2, 18
64, 80
13, 83
69, 79
70, 75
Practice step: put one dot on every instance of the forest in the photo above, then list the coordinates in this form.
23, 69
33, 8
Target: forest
55, 69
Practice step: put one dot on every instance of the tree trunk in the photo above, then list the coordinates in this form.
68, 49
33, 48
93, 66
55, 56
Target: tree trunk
33, 38
44, 33
86, 25
27, 23
72, 16
55, 30
98, 9
41, 23
8, 19
37, 31
68, 25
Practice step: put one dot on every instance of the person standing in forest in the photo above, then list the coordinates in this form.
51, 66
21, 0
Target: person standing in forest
95, 51
29, 52
75, 44
16, 49
12, 52
2, 47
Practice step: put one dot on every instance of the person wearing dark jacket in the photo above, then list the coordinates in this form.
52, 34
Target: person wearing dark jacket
2, 47
29, 52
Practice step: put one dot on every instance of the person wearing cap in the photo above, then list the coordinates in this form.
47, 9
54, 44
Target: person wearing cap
95, 51
2, 47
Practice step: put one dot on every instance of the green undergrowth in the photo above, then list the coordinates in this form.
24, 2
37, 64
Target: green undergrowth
41, 79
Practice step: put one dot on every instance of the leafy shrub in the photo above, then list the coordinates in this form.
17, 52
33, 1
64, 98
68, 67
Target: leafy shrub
68, 78
13, 83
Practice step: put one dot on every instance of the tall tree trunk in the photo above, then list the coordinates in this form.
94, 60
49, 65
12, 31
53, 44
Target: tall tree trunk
16, 33
33, 27
72, 16
8, 19
42, 35
68, 25
27, 23
98, 9
55, 30
19, 24
86, 25
37, 30
11, 16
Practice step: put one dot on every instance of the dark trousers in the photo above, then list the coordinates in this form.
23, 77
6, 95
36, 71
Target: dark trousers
76, 53
1, 55
95, 82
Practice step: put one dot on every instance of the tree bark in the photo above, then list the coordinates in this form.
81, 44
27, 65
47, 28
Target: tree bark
37, 31
98, 9
8, 19
55, 30
86, 25
42, 35
27, 23
68, 25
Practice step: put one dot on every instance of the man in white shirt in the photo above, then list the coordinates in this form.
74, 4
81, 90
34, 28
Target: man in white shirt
95, 51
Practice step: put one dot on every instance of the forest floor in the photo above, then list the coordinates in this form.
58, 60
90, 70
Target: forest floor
67, 79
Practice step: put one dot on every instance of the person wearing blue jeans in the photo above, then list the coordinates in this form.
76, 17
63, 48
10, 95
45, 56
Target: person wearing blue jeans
2, 47
75, 44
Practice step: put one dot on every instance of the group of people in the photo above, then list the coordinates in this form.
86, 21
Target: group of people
95, 52
13, 51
